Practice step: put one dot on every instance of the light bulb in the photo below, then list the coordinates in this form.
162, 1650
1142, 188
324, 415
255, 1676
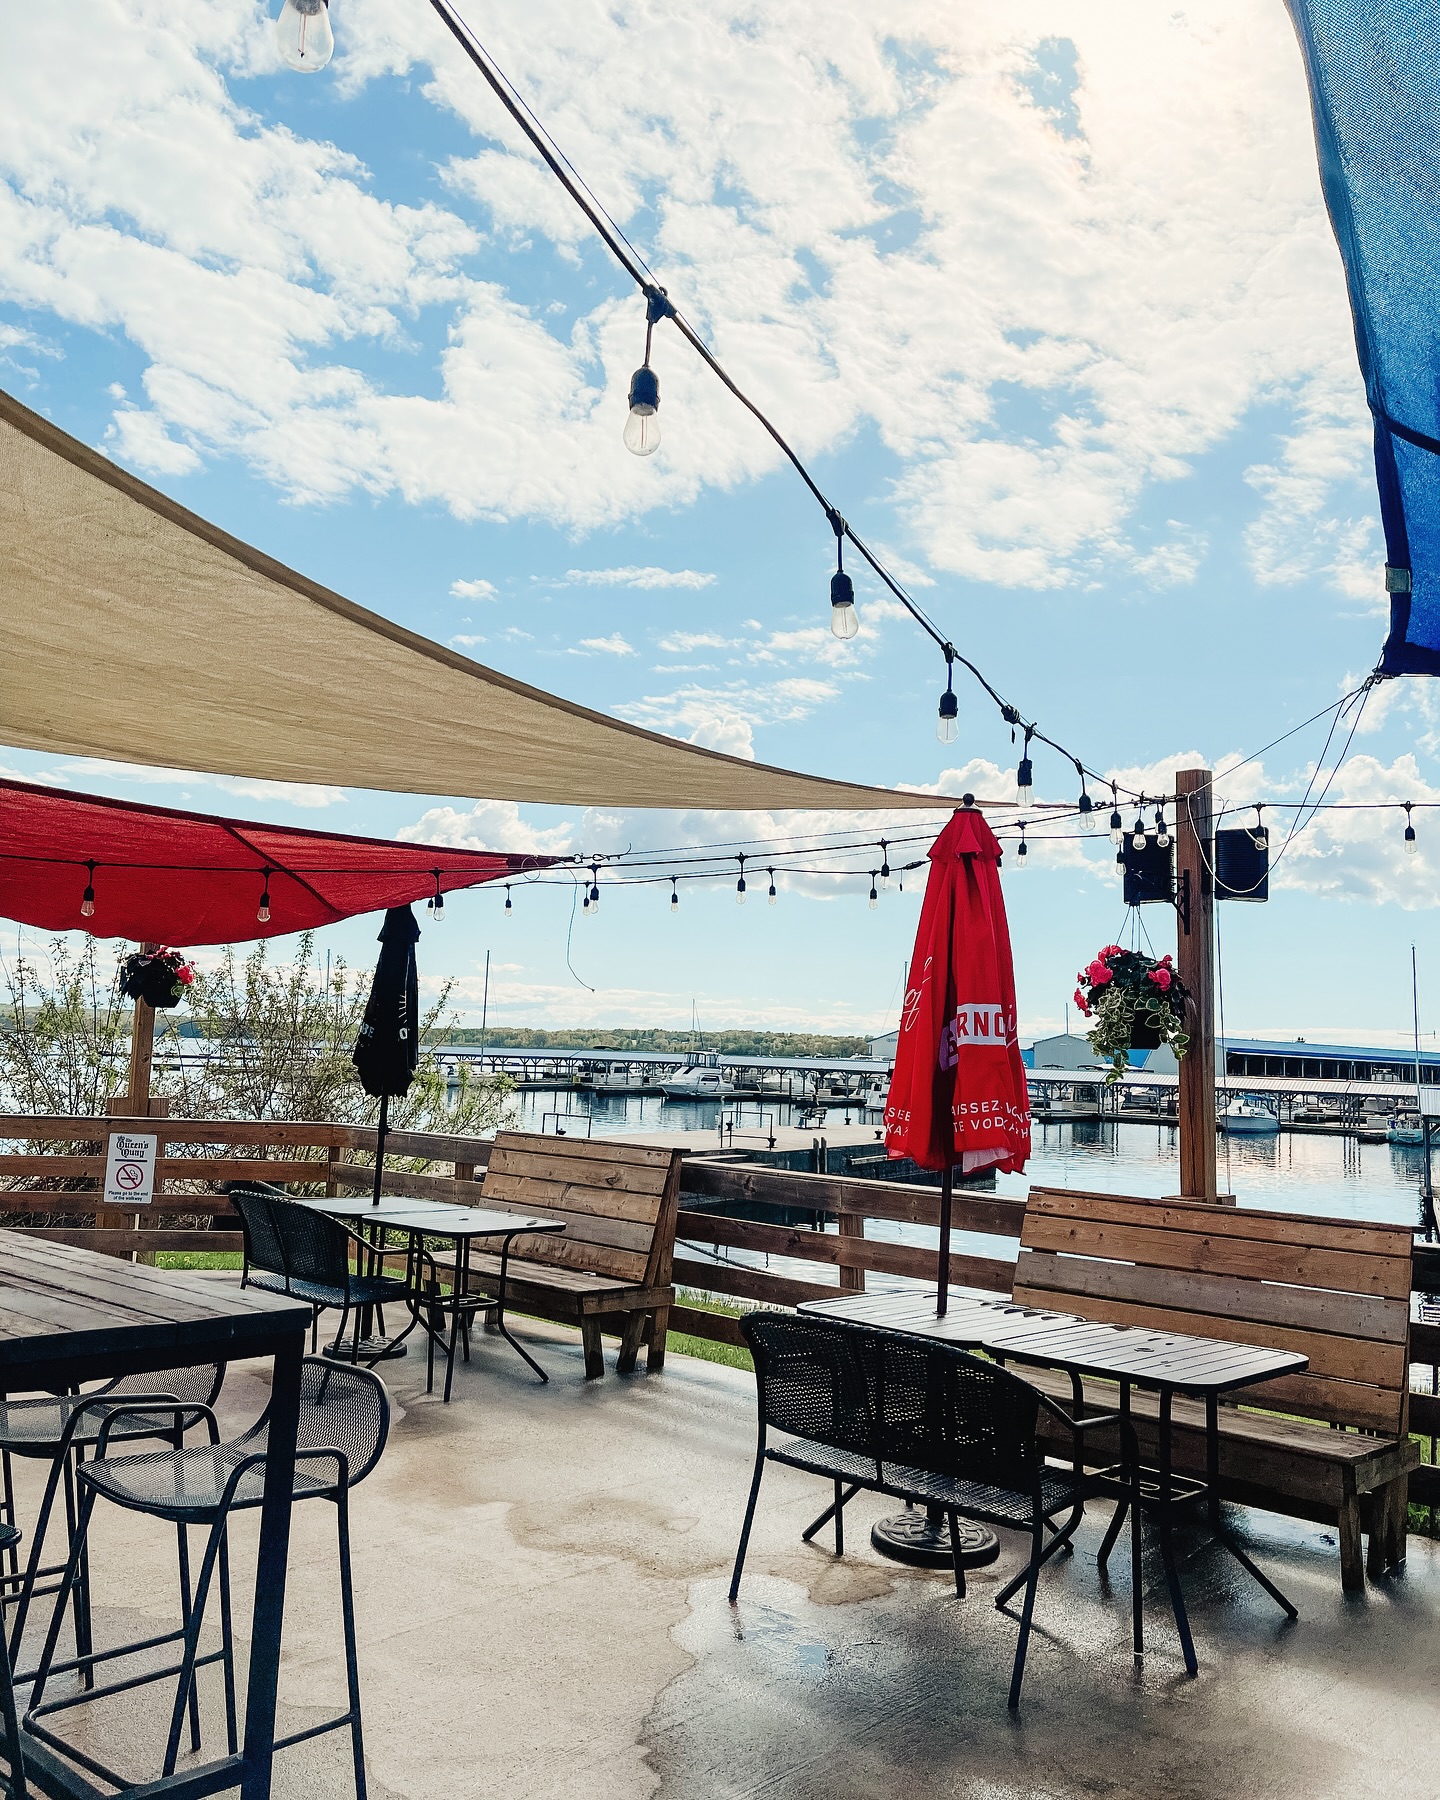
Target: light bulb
843, 620
1022, 853
509, 909
87, 904
1024, 783
1411, 846
674, 900
642, 428
303, 33
948, 727
1117, 829
874, 897
771, 896
594, 899
438, 907
740, 891
1137, 838
1088, 820
1162, 836
263, 915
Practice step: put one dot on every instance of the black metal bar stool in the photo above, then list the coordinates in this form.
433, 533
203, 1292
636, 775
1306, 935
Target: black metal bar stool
344, 1422
13, 1782
59, 1429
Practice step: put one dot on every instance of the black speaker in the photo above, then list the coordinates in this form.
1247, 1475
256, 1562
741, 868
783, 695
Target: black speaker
1242, 864
1149, 873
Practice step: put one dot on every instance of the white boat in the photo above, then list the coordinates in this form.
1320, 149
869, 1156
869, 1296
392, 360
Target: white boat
1406, 1128
701, 1079
1249, 1117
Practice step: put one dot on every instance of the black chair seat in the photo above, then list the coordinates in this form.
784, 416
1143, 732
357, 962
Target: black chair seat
823, 1459
37, 1427
188, 1485
980, 1500
363, 1290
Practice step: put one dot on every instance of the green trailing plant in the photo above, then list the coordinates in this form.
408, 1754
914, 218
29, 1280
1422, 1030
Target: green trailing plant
1130, 995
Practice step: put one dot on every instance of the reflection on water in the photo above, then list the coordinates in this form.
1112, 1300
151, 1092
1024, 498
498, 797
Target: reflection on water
1336, 1177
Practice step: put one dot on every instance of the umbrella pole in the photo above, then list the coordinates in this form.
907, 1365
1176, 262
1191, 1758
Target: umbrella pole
380, 1146
942, 1296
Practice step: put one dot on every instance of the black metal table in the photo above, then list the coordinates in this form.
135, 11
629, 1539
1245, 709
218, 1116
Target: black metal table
1169, 1362
70, 1315
462, 1225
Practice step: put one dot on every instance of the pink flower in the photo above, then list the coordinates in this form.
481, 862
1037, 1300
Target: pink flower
1111, 950
1161, 978
1097, 974
1165, 961
185, 975
1080, 1003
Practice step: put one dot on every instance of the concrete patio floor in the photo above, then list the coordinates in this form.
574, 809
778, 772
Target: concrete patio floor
541, 1572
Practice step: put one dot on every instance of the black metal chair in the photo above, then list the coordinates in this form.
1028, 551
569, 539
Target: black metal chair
12, 1782
295, 1250
921, 1420
59, 1429
343, 1426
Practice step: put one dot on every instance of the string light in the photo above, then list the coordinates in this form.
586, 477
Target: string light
1162, 836
1085, 806
843, 620
1024, 775
740, 884
642, 428
1022, 851
594, 890
884, 863
437, 902
87, 899
947, 727
674, 896
263, 915
770, 897
302, 30
509, 909
1137, 837
1411, 846
1117, 824
874, 897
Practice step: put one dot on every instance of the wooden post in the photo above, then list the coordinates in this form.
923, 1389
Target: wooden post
1195, 963
851, 1225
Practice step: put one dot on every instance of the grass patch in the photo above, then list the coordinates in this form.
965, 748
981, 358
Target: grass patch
198, 1259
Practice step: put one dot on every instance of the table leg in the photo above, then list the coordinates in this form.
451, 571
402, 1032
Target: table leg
457, 1287
1212, 1457
1131, 1449
500, 1309
269, 1615
1167, 1548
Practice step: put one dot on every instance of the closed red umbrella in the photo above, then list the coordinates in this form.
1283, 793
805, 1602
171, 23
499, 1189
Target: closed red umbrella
958, 1094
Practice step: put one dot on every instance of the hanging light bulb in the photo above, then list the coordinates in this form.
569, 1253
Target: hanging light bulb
302, 30
1022, 851
1411, 846
1162, 836
874, 897
87, 899
740, 884
437, 901
1024, 775
1137, 836
1117, 824
884, 864
594, 890
1085, 806
770, 897
263, 915
674, 897
509, 909
843, 620
642, 428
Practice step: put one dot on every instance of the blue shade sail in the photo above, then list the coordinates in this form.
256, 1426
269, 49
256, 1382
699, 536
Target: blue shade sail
1374, 73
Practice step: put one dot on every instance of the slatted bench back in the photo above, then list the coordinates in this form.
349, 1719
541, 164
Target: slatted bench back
617, 1201
1338, 1293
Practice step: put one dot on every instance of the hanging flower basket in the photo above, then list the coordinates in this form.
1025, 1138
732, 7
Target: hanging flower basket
160, 978
1137, 1003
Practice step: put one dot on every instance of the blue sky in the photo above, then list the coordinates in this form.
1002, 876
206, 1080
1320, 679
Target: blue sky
1046, 296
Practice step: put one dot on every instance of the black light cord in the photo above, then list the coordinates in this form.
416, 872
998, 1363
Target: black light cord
659, 305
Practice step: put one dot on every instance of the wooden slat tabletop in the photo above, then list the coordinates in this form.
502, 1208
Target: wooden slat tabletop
72, 1310
438, 1217
1064, 1341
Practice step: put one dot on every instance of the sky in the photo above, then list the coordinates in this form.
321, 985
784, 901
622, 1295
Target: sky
1046, 297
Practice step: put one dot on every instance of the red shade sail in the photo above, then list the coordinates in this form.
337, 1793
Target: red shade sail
958, 1096
171, 877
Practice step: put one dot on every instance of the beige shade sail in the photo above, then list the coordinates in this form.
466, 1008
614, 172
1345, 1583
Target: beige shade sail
131, 629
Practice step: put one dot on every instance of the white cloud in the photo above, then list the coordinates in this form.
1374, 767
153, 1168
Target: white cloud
681, 643
632, 577
489, 825
468, 640
1093, 297
693, 706
728, 733
474, 590
614, 645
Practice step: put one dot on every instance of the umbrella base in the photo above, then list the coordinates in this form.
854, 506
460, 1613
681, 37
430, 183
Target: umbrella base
915, 1537
372, 1349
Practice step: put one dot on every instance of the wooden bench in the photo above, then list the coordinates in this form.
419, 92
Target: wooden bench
1330, 1445
611, 1267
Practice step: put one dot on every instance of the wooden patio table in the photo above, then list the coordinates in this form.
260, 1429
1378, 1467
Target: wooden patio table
462, 1225
69, 1315
1132, 1356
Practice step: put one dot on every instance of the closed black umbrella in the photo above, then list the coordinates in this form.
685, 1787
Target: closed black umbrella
387, 1051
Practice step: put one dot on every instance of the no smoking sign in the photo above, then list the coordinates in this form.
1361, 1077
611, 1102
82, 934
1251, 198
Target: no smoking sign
130, 1170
